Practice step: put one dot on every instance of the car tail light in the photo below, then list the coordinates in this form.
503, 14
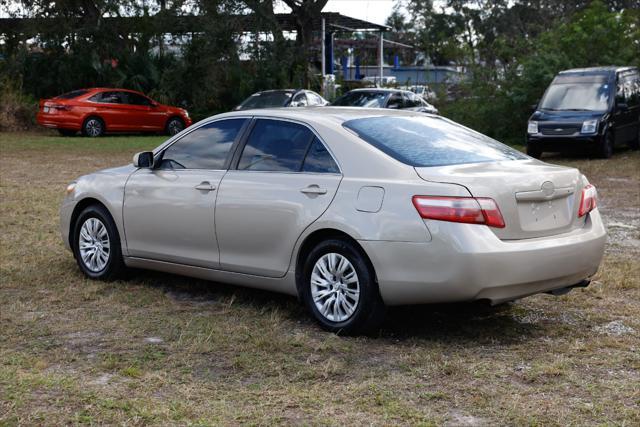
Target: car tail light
61, 107
469, 210
588, 200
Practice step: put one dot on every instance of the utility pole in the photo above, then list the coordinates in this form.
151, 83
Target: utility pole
381, 59
324, 59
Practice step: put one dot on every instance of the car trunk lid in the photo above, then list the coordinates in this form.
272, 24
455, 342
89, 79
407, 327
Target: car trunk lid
536, 199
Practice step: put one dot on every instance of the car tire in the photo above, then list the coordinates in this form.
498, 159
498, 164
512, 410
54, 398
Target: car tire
604, 148
96, 244
67, 132
339, 288
174, 126
93, 127
534, 152
635, 144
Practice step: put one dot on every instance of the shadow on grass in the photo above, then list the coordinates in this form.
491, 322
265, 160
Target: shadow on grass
472, 323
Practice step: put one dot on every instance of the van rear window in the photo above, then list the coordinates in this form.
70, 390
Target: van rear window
72, 94
430, 141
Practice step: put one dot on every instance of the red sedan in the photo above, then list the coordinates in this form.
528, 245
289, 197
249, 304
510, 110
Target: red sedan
99, 110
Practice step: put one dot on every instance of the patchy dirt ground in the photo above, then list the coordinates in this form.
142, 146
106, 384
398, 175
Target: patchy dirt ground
158, 349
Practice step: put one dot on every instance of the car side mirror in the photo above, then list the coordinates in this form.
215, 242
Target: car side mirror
534, 107
143, 159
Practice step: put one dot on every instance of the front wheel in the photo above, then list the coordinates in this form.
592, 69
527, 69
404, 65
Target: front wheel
534, 152
96, 244
604, 148
340, 290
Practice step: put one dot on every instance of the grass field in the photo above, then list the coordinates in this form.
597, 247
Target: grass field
159, 349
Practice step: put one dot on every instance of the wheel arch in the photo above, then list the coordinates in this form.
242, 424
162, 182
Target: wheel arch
317, 236
78, 208
93, 116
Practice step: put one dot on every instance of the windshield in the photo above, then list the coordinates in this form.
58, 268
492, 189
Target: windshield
361, 99
586, 96
430, 141
266, 100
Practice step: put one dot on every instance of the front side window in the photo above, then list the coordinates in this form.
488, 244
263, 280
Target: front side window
314, 98
205, 148
430, 141
577, 94
276, 145
361, 99
137, 99
300, 100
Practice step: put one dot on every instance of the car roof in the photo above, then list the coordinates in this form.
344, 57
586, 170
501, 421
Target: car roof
378, 89
324, 115
597, 70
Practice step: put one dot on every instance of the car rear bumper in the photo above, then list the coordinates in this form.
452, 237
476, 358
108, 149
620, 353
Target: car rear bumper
465, 262
59, 121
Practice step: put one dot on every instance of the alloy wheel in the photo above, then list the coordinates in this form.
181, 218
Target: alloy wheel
93, 127
175, 127
335, 288
94, 245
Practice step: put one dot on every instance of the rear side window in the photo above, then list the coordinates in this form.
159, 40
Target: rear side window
276, 145
319, 160
109, 98
430, 141
205, 148
72, 94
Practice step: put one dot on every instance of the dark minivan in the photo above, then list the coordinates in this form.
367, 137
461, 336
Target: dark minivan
587, 108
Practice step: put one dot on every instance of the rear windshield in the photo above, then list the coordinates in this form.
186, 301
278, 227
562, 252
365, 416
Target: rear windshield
362, 99
72, 94
266, 100
430, 141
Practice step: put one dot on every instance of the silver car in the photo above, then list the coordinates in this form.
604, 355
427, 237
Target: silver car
350, 209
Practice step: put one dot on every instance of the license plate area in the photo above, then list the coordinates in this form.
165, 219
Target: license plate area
546, 214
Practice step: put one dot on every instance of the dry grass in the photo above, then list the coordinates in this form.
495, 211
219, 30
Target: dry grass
159, 349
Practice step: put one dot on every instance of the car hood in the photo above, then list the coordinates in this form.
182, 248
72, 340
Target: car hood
565, 116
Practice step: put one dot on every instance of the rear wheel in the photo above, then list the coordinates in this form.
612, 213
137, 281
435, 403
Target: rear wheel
93, 127
604, 148
340, 290
174, 125
96, 244
67, 132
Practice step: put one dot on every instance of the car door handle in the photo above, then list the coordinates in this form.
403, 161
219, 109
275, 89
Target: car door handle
313, 189
205, 186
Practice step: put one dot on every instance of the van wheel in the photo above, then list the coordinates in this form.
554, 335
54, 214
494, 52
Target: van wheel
340, 289
96, 244
534, 152
604, 149
93, 127
635, 144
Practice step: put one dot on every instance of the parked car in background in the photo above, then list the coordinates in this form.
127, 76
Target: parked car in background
385, 98
99, 110
591, 109
350, 209
424, 91
282, 98
385, 81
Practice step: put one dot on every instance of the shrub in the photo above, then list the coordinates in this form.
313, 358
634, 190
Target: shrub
17, 111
